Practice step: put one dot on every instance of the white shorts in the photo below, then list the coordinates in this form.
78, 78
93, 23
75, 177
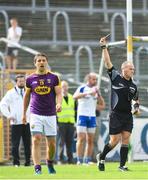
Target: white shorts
46, 125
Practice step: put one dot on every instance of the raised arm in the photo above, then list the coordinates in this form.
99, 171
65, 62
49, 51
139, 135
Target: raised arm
105, 53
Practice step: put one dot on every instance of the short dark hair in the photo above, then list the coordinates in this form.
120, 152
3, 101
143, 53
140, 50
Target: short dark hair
40, 54
19, 76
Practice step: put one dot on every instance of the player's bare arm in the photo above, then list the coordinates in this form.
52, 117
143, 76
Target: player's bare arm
26, 104
78, 95
100, 103
59, 98
105, 53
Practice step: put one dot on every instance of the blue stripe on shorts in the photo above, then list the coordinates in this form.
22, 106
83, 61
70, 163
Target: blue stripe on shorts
87, 121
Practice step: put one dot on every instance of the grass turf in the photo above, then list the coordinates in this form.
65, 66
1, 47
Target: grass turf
137, 171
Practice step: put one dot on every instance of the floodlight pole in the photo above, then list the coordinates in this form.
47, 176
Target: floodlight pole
129, 30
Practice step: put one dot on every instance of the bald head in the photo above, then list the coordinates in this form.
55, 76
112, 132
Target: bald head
127, 69
126, 63
91, 79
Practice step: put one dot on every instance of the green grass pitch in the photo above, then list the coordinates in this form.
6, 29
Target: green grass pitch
82, 172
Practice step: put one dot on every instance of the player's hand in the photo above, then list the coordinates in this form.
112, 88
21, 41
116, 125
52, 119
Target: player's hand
12, 120
24, 120
103, 41
58, 108
136, 112
94, 91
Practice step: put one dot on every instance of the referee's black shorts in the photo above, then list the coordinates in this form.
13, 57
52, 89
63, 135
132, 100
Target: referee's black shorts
119, 122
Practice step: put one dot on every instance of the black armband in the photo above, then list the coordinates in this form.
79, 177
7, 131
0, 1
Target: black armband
136, 105
103, 47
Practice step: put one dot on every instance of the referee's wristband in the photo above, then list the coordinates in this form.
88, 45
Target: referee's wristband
103, 47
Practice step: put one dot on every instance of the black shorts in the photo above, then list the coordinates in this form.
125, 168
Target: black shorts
119, 122
12, 51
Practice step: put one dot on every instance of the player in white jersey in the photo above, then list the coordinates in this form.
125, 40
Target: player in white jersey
89, 99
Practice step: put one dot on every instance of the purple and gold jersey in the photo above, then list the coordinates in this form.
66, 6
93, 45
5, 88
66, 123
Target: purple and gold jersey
43, 97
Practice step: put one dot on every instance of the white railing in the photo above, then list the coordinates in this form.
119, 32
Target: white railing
104, 4
77, 57
2, 68
114, 17
2, 64
138, 74
47, 9
33, 8
67, 28
6, 18
25, 48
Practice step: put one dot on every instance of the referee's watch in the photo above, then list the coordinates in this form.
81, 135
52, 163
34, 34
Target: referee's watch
103, 47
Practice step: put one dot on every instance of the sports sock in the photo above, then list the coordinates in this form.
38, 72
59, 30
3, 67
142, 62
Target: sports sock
87, 159
123, 154
37, 168
80, 159
106, 149
49, 162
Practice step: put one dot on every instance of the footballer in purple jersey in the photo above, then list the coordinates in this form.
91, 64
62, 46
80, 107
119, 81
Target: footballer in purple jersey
43, 92
43, 96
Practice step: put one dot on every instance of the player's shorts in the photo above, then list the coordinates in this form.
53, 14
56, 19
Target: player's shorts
46, 125
86, 124
119, 122
12, 51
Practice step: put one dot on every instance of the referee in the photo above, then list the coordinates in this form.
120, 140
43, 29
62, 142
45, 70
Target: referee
123, 91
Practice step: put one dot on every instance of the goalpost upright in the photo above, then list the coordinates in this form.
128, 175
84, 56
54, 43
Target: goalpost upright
129, 50
129, 30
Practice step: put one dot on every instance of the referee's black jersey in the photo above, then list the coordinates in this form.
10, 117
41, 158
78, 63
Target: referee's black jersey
122, 92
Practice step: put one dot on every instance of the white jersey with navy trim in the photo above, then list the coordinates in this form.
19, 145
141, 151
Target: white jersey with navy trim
87, 104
